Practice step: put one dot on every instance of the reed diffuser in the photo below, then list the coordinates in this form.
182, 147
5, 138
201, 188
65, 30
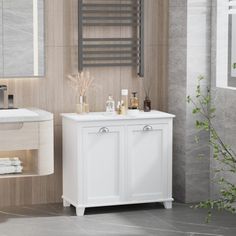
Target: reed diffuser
147, 107
81, 82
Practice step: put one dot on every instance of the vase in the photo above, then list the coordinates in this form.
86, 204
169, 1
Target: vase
82, 107
85, 105
79, 105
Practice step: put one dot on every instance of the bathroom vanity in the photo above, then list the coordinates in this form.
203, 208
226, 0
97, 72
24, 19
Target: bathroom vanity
116, 160
28, 135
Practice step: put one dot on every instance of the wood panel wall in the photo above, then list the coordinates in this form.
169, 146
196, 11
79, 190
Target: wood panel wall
53, 93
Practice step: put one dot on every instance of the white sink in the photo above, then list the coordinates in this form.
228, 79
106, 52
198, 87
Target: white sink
12, 113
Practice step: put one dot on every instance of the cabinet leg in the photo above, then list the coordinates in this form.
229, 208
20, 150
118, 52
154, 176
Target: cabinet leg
167, 205
80, 211
65, 203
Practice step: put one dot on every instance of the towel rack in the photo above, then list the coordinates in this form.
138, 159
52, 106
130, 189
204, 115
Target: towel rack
110, 51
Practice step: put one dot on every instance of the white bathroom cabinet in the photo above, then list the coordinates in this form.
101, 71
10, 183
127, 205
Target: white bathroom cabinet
116, 160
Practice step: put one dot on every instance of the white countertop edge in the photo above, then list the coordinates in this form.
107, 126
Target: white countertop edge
42, 116
102, 116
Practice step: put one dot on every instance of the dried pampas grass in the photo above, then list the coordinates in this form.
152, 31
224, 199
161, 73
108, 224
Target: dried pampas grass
81, 82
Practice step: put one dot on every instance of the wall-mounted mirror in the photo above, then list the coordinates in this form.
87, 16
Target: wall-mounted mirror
232, 50
226, 44
22, 52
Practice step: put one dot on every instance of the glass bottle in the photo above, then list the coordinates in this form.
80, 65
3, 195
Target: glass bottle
147, 104
134, 103
123, 110
79, 104
118, 108
85, 105
125, 99
110, 105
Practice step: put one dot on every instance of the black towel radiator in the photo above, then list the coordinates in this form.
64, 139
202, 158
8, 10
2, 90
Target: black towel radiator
108, 51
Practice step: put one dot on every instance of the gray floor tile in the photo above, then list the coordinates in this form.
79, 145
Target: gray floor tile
137, 220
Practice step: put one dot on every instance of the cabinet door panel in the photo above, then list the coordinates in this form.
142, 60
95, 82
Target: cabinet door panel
103, 165
147, 162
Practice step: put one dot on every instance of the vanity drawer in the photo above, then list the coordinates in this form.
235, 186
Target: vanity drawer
19, 136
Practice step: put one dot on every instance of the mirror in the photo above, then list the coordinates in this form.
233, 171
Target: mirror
225, 44
232, 50
22, 52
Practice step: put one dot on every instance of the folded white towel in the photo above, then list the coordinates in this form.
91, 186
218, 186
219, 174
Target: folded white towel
14, 161
10, 169
10, 163
10, 159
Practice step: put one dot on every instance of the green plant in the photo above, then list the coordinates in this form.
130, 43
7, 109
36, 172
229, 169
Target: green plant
234, 65
222, 153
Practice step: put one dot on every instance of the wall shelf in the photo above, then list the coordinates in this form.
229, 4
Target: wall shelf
111, 51
29, 161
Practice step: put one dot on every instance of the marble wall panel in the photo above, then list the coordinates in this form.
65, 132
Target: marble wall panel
177, 91
22, 4
189, 57
224, 101
198, 63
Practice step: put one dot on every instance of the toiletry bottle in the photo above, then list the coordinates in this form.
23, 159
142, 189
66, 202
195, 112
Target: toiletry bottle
147, 104
125, 99
110, 105
118, 109
123, 110
134, 103
10, 101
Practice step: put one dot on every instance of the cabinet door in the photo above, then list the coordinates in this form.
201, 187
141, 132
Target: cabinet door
147, 164
103, 165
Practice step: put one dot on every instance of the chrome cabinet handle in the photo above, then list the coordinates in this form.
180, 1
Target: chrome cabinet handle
147, 128
104, 130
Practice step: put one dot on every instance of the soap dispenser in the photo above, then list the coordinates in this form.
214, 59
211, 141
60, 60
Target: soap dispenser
110, 105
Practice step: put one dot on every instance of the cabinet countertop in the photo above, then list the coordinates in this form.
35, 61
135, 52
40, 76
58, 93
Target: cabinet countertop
103, 116
24, 115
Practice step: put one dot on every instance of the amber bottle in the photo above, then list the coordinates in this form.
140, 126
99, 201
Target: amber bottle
147, 104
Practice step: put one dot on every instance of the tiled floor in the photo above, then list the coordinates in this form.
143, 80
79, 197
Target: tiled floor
140, 220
